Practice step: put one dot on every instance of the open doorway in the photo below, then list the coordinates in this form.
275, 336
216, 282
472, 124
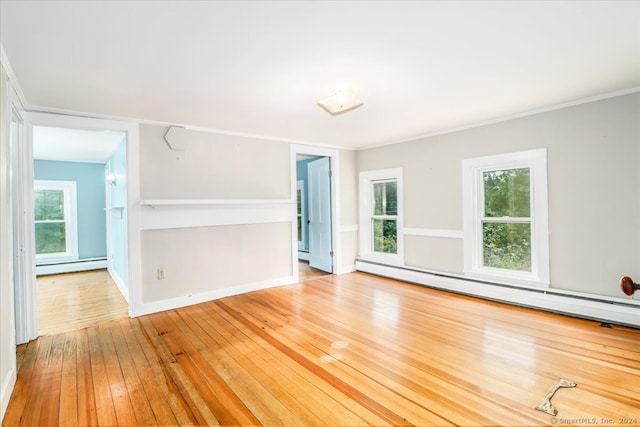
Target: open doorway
78, 214
48, 219
315, 210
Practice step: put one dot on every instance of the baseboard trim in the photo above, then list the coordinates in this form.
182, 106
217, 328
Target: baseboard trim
617, 312
187, 300
124, 290
7, 388
70, 267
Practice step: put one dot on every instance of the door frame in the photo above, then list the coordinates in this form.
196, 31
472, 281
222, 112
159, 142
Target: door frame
26, 301
334, 156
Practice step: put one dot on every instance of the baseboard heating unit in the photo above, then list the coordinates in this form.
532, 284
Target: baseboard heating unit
621, 311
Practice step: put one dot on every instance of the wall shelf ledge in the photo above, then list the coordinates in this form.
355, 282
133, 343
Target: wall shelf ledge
209, 202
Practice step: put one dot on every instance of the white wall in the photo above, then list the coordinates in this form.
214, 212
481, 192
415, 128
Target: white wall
593, 179
217, 216
212, 166
7, 319
348, 212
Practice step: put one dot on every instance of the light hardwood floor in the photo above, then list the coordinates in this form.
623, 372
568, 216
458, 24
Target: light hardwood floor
71, 301
340, 350
306, 272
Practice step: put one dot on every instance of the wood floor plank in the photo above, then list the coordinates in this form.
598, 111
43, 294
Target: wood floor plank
68, 413
336, 360
262, 371
105, 410
351, 350
35, 401
429, 377
225, 405
140, 406
310, 364
119, 394
165, 396
195, 402
414, 388
299, 394
87, 411
149, 382
26, 372
246, 374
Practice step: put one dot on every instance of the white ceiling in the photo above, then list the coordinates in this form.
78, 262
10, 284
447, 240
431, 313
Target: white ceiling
260, 67
74, 145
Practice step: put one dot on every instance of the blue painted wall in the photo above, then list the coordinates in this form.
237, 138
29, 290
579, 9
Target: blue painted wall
118, 198
90, 185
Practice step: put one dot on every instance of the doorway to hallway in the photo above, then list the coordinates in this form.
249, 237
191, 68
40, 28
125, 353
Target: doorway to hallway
314, 211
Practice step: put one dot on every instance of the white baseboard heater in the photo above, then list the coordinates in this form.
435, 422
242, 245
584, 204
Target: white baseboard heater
71, 266
625, 312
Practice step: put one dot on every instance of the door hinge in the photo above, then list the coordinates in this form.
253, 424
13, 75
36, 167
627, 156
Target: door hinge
330, 173
331, 253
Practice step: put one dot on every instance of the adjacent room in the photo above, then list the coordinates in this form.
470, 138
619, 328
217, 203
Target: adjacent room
77, 227
319, 213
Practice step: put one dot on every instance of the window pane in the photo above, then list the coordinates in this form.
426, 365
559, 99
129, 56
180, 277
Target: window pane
507, 245
299, 228
507, 193
299, 202
49, 205
385, 198
50, 237
385, 235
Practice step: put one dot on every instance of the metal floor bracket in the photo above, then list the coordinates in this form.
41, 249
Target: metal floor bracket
545, 405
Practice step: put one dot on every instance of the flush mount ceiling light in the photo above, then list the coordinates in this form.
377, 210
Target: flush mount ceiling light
340, 102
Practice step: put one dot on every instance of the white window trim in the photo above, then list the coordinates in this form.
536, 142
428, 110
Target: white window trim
367, 178
71, 219
472, 170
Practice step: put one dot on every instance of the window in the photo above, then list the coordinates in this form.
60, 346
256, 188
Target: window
505, 209
384, 221
380, 218
55, 221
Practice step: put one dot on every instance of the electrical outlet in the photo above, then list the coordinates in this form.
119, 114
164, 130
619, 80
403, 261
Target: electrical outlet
161, 274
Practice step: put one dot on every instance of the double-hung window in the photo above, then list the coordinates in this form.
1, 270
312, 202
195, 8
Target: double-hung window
55, 221
381, 215
505, 210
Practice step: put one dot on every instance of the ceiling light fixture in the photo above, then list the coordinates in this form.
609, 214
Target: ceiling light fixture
340, 102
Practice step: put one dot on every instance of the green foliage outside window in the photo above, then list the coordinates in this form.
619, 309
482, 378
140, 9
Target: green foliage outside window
384, 226
50, 231
50, 237
385, 236
507, 244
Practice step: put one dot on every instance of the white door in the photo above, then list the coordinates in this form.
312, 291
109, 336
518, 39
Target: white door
319, 197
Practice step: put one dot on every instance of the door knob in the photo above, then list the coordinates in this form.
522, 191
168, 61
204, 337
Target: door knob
628, 286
